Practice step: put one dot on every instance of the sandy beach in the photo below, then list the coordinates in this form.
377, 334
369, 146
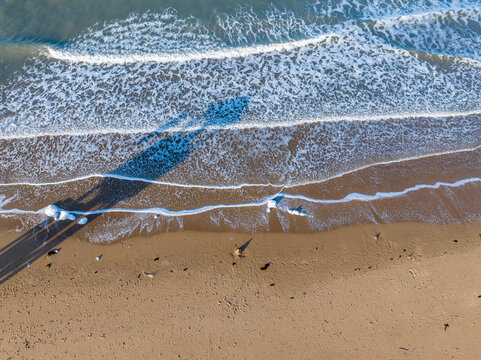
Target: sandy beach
367, 291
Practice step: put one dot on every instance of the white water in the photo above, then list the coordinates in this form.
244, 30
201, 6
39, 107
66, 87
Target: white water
379, 67
180, 58
267, 202
230, 187
293, 155
354, 86
432, 32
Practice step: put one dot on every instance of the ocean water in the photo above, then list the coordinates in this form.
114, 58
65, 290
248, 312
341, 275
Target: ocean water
125, 117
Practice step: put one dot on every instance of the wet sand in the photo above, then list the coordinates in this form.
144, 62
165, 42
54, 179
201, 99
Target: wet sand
441, 188
363, 291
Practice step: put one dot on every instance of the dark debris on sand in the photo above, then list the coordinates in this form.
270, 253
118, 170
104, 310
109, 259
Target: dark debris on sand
266, 266
53, 252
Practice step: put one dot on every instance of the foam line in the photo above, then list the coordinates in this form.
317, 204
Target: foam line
244, 126
382, 195
265, 202
236, 186
232, 52
360, 63
223, 53
180, 58
421, 14
389, 162
127, 178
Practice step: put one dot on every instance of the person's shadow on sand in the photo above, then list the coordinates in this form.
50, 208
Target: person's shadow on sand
150, 164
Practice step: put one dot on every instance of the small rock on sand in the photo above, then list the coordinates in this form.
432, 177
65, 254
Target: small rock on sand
53, 252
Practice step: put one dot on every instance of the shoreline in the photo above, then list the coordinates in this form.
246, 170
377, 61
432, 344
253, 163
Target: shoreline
265, 180
338, 294
439, 189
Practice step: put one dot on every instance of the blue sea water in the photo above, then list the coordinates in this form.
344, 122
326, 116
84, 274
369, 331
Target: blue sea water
205, 107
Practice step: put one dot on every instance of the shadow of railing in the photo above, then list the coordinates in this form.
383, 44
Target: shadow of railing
150, 164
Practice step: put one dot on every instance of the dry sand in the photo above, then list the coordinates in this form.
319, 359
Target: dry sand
410, 293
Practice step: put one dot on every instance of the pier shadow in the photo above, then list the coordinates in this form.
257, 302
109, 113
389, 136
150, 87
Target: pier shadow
163, 150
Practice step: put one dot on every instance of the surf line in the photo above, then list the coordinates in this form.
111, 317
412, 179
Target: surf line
128, 178
237, 186
233, 52
222, 53
443, 116
273, 201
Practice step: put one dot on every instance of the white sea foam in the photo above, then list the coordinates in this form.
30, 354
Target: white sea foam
345, 10
430, 32
329, 75
278, 198
51, 210
165, 37
351, 86
179, 58
4, 200
57, 213
247, 125
382, 195
454, 32
167, 32
297, 211
293, 155
271, 204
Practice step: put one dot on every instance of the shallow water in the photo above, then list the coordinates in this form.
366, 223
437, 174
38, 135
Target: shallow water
239, 115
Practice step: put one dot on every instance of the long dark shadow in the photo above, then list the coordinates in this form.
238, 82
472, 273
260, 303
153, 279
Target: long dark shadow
169, 151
